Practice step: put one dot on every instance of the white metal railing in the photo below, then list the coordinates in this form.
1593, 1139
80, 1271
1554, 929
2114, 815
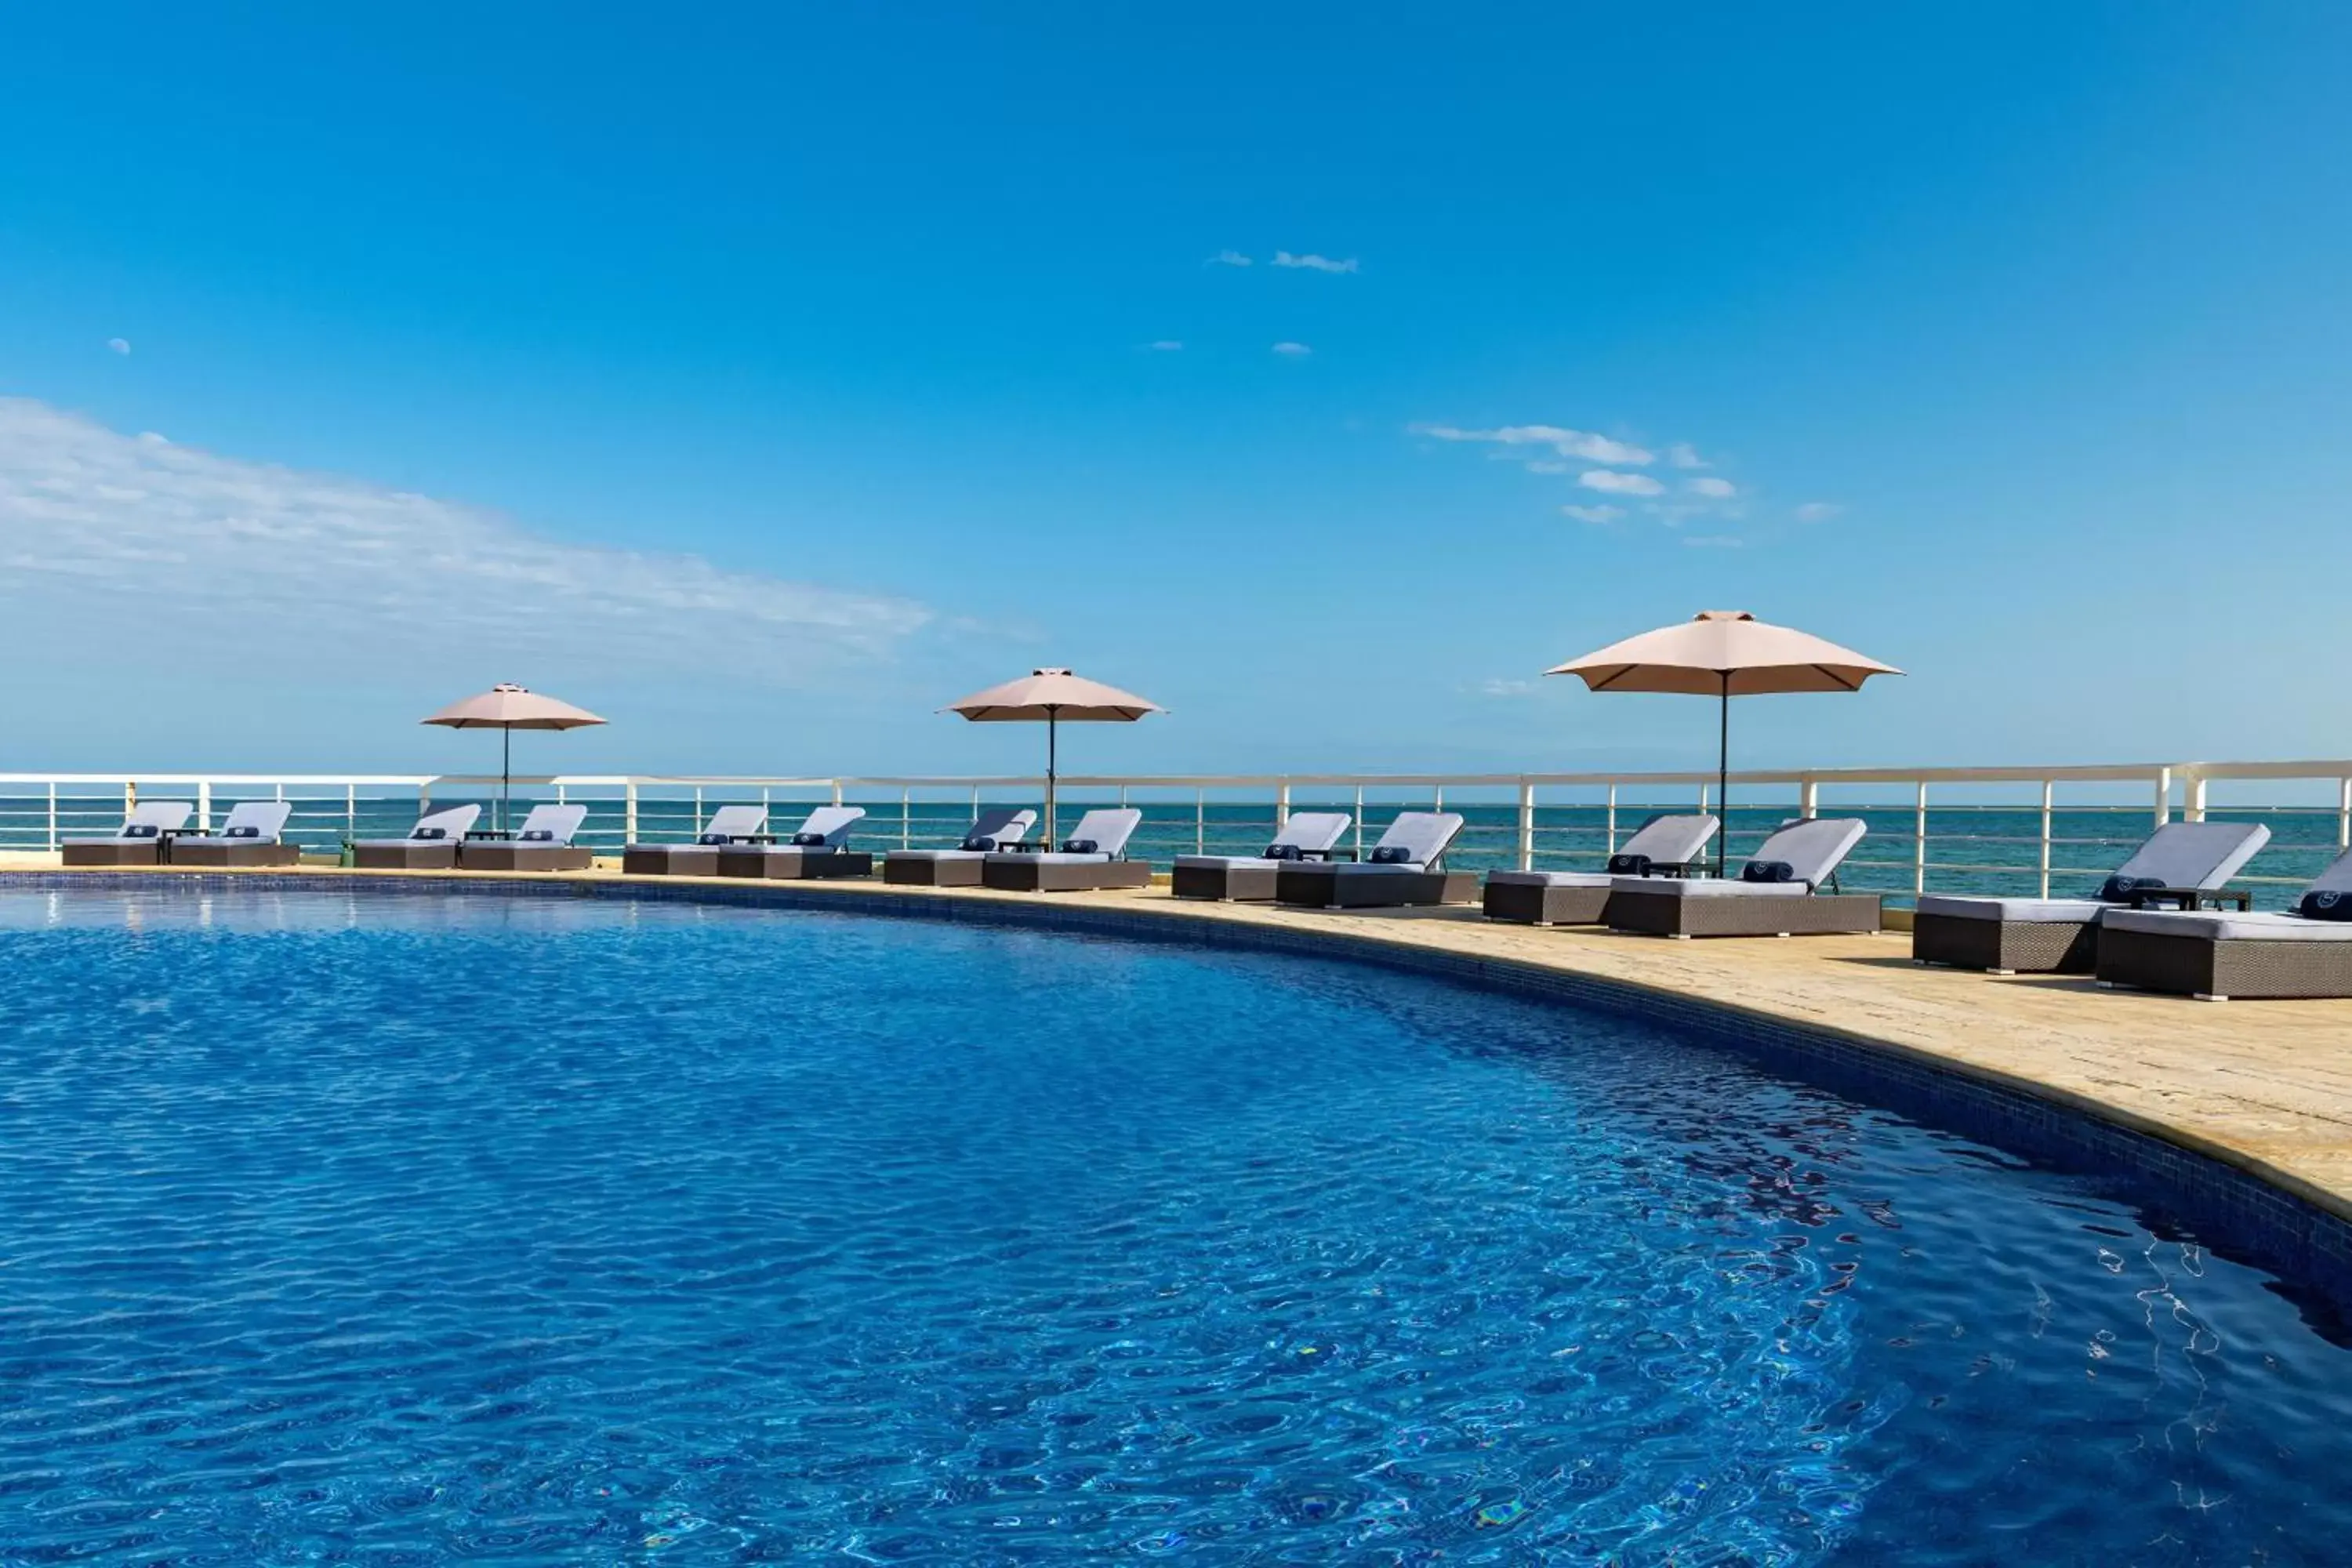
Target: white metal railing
1971, 828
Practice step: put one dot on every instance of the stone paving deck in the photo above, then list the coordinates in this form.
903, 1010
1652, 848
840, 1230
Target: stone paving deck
2262, 1086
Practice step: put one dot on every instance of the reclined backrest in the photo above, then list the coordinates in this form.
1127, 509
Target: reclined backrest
1672, 840
1313, 830
2194, 853
1811, 846
558, 823
1110, 828
1424, 835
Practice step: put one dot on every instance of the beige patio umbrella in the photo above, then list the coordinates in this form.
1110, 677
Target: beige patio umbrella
1724, 654
1053, 696
507, 707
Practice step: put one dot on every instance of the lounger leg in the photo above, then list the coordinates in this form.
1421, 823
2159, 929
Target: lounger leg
2201, 997
2001, 972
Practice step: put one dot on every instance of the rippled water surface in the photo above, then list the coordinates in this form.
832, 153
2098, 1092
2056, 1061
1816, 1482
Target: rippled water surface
406, 1230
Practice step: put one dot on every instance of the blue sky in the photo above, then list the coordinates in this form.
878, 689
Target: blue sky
767, 379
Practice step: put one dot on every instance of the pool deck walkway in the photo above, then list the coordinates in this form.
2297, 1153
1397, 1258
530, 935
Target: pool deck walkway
2262, 1086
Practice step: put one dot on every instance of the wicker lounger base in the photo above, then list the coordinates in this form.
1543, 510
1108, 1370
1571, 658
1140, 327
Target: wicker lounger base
1332, 888
88, 853
1745, 914
418, 856
1022, 874
498, 857
2005, 947
923, 871
202, 852
795, 867
1242, 884
2216, 971
670, 861
1536, 904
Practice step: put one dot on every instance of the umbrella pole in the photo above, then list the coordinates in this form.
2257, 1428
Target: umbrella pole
506, 773
1723, 774
1052, 756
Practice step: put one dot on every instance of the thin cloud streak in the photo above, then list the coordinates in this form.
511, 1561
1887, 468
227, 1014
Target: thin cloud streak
1314, 263
138, 539
1568, 443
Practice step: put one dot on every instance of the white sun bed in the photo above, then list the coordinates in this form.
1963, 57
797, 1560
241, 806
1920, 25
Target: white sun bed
728, 825
1661, 847
1307, 835
995, 828
1776, 893
1092, 857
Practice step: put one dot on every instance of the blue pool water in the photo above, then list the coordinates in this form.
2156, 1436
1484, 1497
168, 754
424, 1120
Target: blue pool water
396, 1229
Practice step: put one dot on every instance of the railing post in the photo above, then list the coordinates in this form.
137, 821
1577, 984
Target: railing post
1809, 798
1526, 825
1360, 822
1919, 844
907, 817
2163, 796
204, 806
2193, 799
2344, 813
1201, 821
1612, 819
629, 812
836, 791
1281, 805
53, 814
2049, 791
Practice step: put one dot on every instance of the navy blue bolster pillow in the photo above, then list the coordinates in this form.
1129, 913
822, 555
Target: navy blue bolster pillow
1391, 854
242, 833
2325, 905
1628, 865
1767, 871
536, 836
430, 832
712, 838
808, 840
1284, 852
2119, 888
141, 830
1080, 846
978, 842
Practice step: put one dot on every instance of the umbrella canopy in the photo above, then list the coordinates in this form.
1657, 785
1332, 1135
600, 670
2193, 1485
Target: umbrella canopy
1724, 654
1049, 696
508, 707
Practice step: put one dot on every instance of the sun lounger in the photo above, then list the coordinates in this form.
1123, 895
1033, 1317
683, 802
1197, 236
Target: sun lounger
1776, 893
1662, 847
1092, 857
960, 867
248, 835
143, 833
2214, 955
816, 850
543, 843
1307, 835
728, 825
431, 845
1405, 868
2061, 936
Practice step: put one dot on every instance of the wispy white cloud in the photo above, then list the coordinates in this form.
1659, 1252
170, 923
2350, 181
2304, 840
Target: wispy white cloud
1610, 482
1712, 542
1712, 488
138, 539
1593, 513
1683, 455
1816, 511
1498, 686
1293, 350
119, 345
1314, 263
1567, 442
1165, 346
1227, 258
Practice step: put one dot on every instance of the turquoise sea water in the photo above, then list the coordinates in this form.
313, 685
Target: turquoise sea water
401, 1229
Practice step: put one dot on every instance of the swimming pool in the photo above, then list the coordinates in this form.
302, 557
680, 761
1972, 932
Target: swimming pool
408, 1228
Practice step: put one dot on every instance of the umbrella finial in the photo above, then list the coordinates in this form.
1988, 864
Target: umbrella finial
1723, 615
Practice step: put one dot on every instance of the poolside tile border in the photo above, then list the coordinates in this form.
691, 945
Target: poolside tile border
2200, 1195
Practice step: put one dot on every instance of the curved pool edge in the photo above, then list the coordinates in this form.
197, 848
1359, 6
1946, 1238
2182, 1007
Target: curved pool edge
2298, 1225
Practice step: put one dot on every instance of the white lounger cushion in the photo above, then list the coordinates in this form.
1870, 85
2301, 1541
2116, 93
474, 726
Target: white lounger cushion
265, 818
2022, 912
1670, 840
1565, 878
163, 815
1109, 827
560, 821
833, 821
1424, 835
1812, 846
2226, 925
1708, 888
452, 822
737, 821
1314, 831
1003, 824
